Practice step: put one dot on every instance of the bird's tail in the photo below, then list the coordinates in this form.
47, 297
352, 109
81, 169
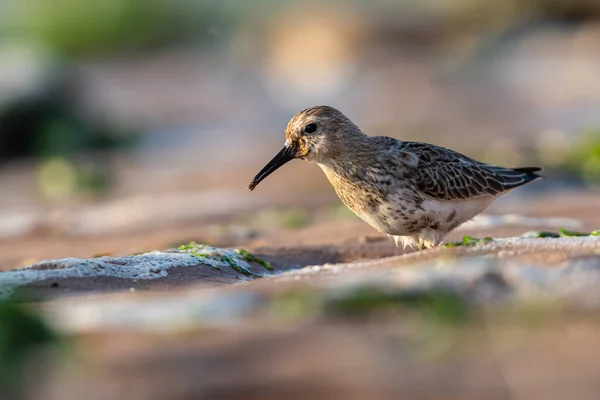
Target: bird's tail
531, 173
515, 177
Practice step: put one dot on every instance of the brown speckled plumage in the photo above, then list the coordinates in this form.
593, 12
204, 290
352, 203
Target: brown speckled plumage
414, 192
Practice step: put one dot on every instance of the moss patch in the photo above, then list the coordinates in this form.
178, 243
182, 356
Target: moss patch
22, 334
294, 218
469, 241
440, 304
252, 258
566, 233
563, 232
196, 250
236, 259
540, 234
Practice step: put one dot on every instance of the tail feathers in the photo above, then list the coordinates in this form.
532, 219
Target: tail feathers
520, 176
529, 170
531, 173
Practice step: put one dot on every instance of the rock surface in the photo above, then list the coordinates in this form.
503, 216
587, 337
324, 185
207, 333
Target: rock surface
339, 313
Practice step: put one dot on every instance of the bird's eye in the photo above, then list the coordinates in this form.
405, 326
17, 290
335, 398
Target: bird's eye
310, 128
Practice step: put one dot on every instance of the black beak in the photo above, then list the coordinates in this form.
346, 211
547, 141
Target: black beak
286, 154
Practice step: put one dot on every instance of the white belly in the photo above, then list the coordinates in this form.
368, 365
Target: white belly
464, 210
436, 220
436, 215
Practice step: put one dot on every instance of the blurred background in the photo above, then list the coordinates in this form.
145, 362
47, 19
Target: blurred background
133, 125
124, 115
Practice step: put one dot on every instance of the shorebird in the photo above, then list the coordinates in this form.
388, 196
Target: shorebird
414, 192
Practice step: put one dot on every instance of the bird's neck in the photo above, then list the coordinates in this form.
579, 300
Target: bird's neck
351, 159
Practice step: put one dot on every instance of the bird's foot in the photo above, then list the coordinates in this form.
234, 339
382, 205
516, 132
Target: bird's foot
405, 241
429, 238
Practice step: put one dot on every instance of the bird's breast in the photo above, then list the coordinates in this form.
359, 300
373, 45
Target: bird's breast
358, 195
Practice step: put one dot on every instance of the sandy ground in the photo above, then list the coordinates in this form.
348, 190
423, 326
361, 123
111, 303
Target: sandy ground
343, 313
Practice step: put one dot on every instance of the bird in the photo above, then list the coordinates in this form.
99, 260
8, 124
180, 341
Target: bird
414, 192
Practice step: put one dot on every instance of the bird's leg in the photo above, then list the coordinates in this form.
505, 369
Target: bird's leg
426, 244
429, 239
405, 241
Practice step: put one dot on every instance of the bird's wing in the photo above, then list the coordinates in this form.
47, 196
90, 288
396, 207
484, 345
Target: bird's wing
443, 174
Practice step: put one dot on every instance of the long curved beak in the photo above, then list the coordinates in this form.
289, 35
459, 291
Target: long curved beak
286, 154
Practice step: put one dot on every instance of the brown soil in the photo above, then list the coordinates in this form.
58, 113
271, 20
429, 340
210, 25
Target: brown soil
266, 355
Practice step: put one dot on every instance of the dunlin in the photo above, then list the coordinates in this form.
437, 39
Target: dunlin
415, 192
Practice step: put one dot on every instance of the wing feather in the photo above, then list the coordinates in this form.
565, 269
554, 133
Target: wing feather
444, 174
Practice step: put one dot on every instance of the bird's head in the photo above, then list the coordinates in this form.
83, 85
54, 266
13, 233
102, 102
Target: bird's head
315, 134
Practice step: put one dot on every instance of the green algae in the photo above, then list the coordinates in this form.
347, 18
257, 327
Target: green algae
365, 301
246, 255
190, 246
563, 232
540, 234
23, 333
203, 251
441, 304
294, 218
297, 303
237, 266
469, 241
566, 233
196, 250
